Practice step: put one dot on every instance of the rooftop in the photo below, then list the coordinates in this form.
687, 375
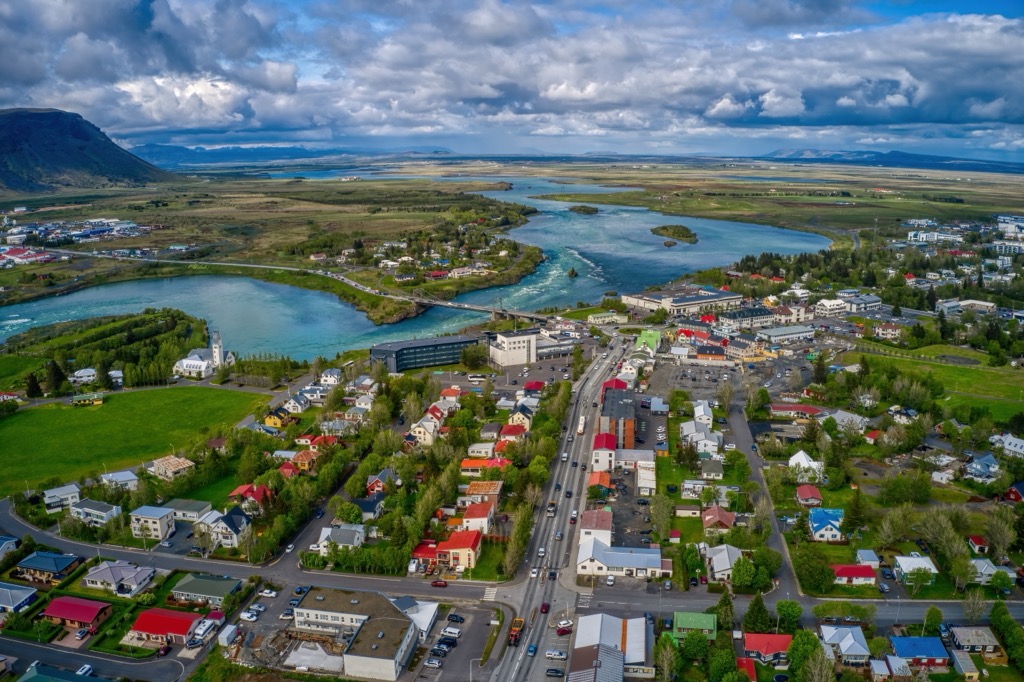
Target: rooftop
422, 343
381, 616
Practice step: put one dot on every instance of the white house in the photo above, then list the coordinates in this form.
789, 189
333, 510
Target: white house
805, 469
94, 512
825, 524
702, 412
119, 577
297, 403
984, 569
721, 560
482, 450
153, 523
225, 530
478, 516
597, 558
57, 499
351, 535
330, 377
596, 524
126, 480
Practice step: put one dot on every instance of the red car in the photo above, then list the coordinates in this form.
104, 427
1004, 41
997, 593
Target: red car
163, 651
572, 521
545, 607
703, 580
439, 583
564, 631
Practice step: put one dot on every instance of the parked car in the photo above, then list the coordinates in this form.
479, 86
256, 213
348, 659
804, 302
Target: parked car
693, 582
81, 634
439, 583
645, 540
883, 588
302, 589
554, 672
887, 574
566, 623
268, 593
194, 643
643, 502
563, 631
294, 602
432, 663
258, 608
703, 580
287, 615
250, 616
455, 618
449, 642
438, 653
163, 651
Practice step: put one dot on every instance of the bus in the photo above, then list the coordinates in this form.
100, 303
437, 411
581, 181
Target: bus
477, 378
582, 426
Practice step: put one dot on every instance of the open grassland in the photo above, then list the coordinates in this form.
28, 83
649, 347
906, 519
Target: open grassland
128, 429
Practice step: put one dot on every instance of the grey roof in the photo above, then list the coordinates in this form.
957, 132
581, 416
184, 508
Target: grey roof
196, 506
150, 512
421, 343
207, 585
849, 639
974, 636
369, 504
867, 556
94, 506
40, 672
628, 635
119, 571
712, 466
119, 477
596, 663
344, 534
619, 403
619, 557
723, 557
236, 520
12, 595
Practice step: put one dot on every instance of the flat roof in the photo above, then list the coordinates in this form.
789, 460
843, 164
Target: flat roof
422, 343
381, 615
179, 504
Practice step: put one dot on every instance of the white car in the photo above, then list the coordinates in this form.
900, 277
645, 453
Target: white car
165, 544
432, 663
289, 548
268, 593
565, 623
314, 548
249, 616
542, 552
534, 572
258, 608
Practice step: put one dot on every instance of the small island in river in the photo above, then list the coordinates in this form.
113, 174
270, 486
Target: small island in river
583, 210
680, 232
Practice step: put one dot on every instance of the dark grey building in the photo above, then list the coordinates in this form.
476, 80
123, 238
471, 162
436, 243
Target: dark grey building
399, 356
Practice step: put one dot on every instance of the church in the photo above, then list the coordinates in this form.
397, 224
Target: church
203, 362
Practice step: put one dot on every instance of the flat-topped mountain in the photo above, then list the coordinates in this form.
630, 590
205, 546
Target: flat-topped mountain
41, 149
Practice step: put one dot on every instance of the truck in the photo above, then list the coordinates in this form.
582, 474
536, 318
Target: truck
515, 631
552, 507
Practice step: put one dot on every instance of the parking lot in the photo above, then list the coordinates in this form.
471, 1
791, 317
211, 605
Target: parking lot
475, 631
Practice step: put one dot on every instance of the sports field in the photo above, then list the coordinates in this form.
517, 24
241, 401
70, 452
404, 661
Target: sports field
128, 429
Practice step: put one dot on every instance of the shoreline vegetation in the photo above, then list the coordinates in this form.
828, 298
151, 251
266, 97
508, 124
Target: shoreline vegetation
584, 210
679, 233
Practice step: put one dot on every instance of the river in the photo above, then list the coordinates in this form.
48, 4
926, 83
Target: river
613, 250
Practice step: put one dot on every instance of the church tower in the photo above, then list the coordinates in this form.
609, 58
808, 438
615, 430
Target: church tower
218, 349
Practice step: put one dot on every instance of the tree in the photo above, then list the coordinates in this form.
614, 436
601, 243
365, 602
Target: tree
804, 644
962, 570
724, 611
723, 662
743, 572
820, 372
32, 387
818, 668
974, 606
695, 646
1000, 531
855, 515
757, 618
475, 356
789, 613
768, 558
668, 657
918, 578
662, 509
932, 618
1000, 581
55, 377
895, 526
708, 496
878, 646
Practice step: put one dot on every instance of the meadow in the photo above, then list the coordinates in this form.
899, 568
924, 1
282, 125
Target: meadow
127, 430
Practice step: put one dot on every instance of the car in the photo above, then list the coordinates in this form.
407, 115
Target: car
561, 632
594, 404
575, 463
194, 643
456, 618
165, 543
916, 555
438, 583
258, 608
943, 631
81, 634
575, 514
721, 420
302, 589
290, 548
531, 650
572, 521
693, 582
646, 531
568, 494
703, 580
163, 651
432, 663
542, 552
558, 535
645, 540
642, 502
294, 602
851, 619
569, 438
558, 487
249, 616
515, 382
887, 574
883, 588
583, 467
319, 513
534, 572
85, 670
449, 642
753, 447
288, 614
545, 607
554, 672
829, 620
315, 547
268, 593
565, 623
438, 653
440, 646
552, 575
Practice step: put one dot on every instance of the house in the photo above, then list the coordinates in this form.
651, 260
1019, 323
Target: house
825, 524
805, 469
378, 482
846, 643
423, 614
598, 559
350, 535
372, 506
46, 567
602, 455
164, 626
305, 460
75, 612
152, 523
425, 431
205, 589
330, 377
717, 519
964, 666
485, 491
521, 415
720, 561
252, 498
766, 649
188, 510
982, 468
473, 468
685, 622
125, 480
171, 467
853, 574
462, 548
978, 544
793, 411
597, 524
602, 480
867, 557
481, 450
808, 495
903, 565
974, 639
888, 331
843, 417
712, 470
41, 672
297, 403
1012, 445
14, 598
57, 499
8, 543
230, 529
279, 418
702, 412
921, 652
94, 513
490, 431
984, 569
288, 470
513, 432
120, 578
898, 668
478, 516
1015, 493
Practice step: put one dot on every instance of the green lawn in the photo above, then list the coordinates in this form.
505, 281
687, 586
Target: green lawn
128, 429
216, 492
491, 555
582, 313
943, 349
690, 529
997, 673
669, 473
13, 369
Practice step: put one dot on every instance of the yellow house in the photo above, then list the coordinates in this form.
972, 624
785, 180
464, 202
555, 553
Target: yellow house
523, 416
279, 418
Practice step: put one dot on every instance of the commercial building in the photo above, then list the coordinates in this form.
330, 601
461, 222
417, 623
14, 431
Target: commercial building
618, 417
399, 356
786, 334
598, 559
748, 318
514, 348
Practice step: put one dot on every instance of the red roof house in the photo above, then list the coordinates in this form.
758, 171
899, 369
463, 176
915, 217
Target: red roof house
460, 549
768, 649
451, 392
872, 436
909, 277
612, 383
979, 545
1015, 493
321, 441
474, 466
716, 519
164, 625
426, 551
75, 612
604, 441
288, 470
501, 446
512, 431
808, 495
251, 496
708, 318
854, 574
533, 386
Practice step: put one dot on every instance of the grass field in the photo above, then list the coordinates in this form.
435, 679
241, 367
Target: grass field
13, 369
128, 429
216, 492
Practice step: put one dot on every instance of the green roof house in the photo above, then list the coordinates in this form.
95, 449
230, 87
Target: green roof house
208, 589
686, 621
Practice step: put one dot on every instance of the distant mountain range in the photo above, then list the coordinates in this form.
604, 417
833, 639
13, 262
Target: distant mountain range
41, 149
894, 159
171, 156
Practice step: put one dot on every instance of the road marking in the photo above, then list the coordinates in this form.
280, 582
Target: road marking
490, 594
583, 600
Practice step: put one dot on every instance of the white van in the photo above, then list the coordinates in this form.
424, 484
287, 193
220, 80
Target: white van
451, 632
555, 655
610, 581
565, 456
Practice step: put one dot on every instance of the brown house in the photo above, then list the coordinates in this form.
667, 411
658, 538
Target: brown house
75, 612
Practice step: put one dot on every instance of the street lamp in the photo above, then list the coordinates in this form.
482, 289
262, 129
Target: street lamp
897, 609
471, 661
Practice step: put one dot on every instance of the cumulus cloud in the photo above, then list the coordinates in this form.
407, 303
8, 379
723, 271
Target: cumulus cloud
265, 70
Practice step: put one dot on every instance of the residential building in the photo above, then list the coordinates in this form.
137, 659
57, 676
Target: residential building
846, 644
165, 626
94, 513
830, 307
205, 589
514, 348
825, 524
862, 303
478, 516
597, 558
523, 416
808, 495
1015, 493
126, 480
805, 469
230, 529
376, 483
597, 524
720, 561
984, 569
152, 523
978, 544
868, 557
712, 470
485, 491
903, 566
371, 506
171, 467
383, 638
297, 403
921, 652
188, 510
76, 612
8, 543
58, 499
793, 411
14, 598
888, 331
46, 567
853, 574
341, 535
717, 519
462, 548
399, 356
305, 460
964, 666
1011, 444
120, 578
975, 639
685, 622
481, 450
767, 649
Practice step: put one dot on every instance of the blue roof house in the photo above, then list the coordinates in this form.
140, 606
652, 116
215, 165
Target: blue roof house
825, 524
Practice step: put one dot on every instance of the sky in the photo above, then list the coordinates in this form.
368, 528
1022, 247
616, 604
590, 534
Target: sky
730, 77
